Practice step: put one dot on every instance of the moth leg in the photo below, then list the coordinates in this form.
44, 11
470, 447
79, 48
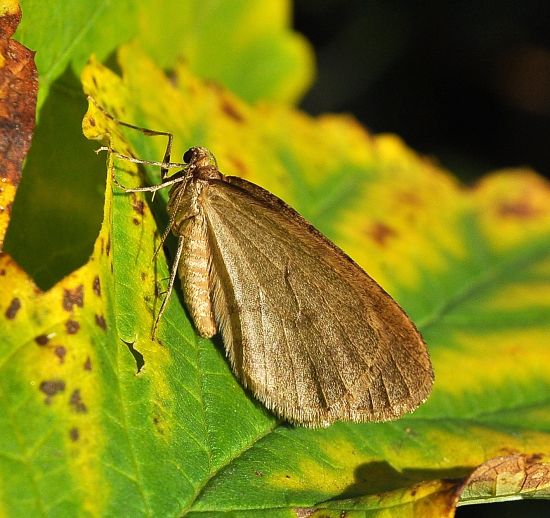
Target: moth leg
173, 274
175, 263
162, 239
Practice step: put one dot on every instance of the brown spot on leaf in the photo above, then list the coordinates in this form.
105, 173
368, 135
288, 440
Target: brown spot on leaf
2, 272
108, 247
42, 340
96, 286
88, 364
143, 276
76, 402
91, 120
138, 206
158, 425
409, 198
520, 209
72, 327
74, 434
229, 108
13, 308
239, 166
304, 512
60, 352
100, 321
380, 233
135, 221
51, 388
73, 298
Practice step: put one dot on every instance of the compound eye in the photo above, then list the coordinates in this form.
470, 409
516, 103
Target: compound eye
188, 155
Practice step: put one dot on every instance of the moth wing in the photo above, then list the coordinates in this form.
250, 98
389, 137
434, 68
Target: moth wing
305, 328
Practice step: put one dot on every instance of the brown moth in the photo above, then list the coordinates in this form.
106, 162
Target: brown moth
312, 336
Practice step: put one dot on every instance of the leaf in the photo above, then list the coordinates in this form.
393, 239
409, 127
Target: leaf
18, 86
96, 419
100, 420
509, 477
245, 34
243, 44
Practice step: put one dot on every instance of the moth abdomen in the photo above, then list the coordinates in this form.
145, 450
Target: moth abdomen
194, 270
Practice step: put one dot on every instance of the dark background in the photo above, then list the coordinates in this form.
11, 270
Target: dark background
467, 83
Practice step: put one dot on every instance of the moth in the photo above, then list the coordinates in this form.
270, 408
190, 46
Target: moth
306, 330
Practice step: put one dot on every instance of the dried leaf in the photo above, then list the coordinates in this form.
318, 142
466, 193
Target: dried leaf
18, 89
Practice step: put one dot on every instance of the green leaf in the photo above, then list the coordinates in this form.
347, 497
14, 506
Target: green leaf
103, 421
244, 45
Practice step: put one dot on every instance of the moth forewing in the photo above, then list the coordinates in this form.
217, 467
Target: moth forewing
310, 333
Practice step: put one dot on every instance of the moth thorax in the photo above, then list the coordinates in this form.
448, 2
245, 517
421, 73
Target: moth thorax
207, 173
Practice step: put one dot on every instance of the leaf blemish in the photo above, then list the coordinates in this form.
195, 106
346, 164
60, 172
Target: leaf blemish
240, 165
135, 221
42, 339
231, 110
156, 422
51, 388
520, 209
100, 321
91, 120
96, 286
60, 351
72, 327
409, 198
108, 247
139, 206
74, 434
380, 233
13, 308
88, 364
76, 402
73, 298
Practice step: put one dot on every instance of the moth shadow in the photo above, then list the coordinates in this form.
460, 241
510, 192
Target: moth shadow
380, 477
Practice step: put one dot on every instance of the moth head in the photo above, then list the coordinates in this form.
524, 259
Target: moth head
199, 157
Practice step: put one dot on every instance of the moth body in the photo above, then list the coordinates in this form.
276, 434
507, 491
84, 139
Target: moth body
189, 224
